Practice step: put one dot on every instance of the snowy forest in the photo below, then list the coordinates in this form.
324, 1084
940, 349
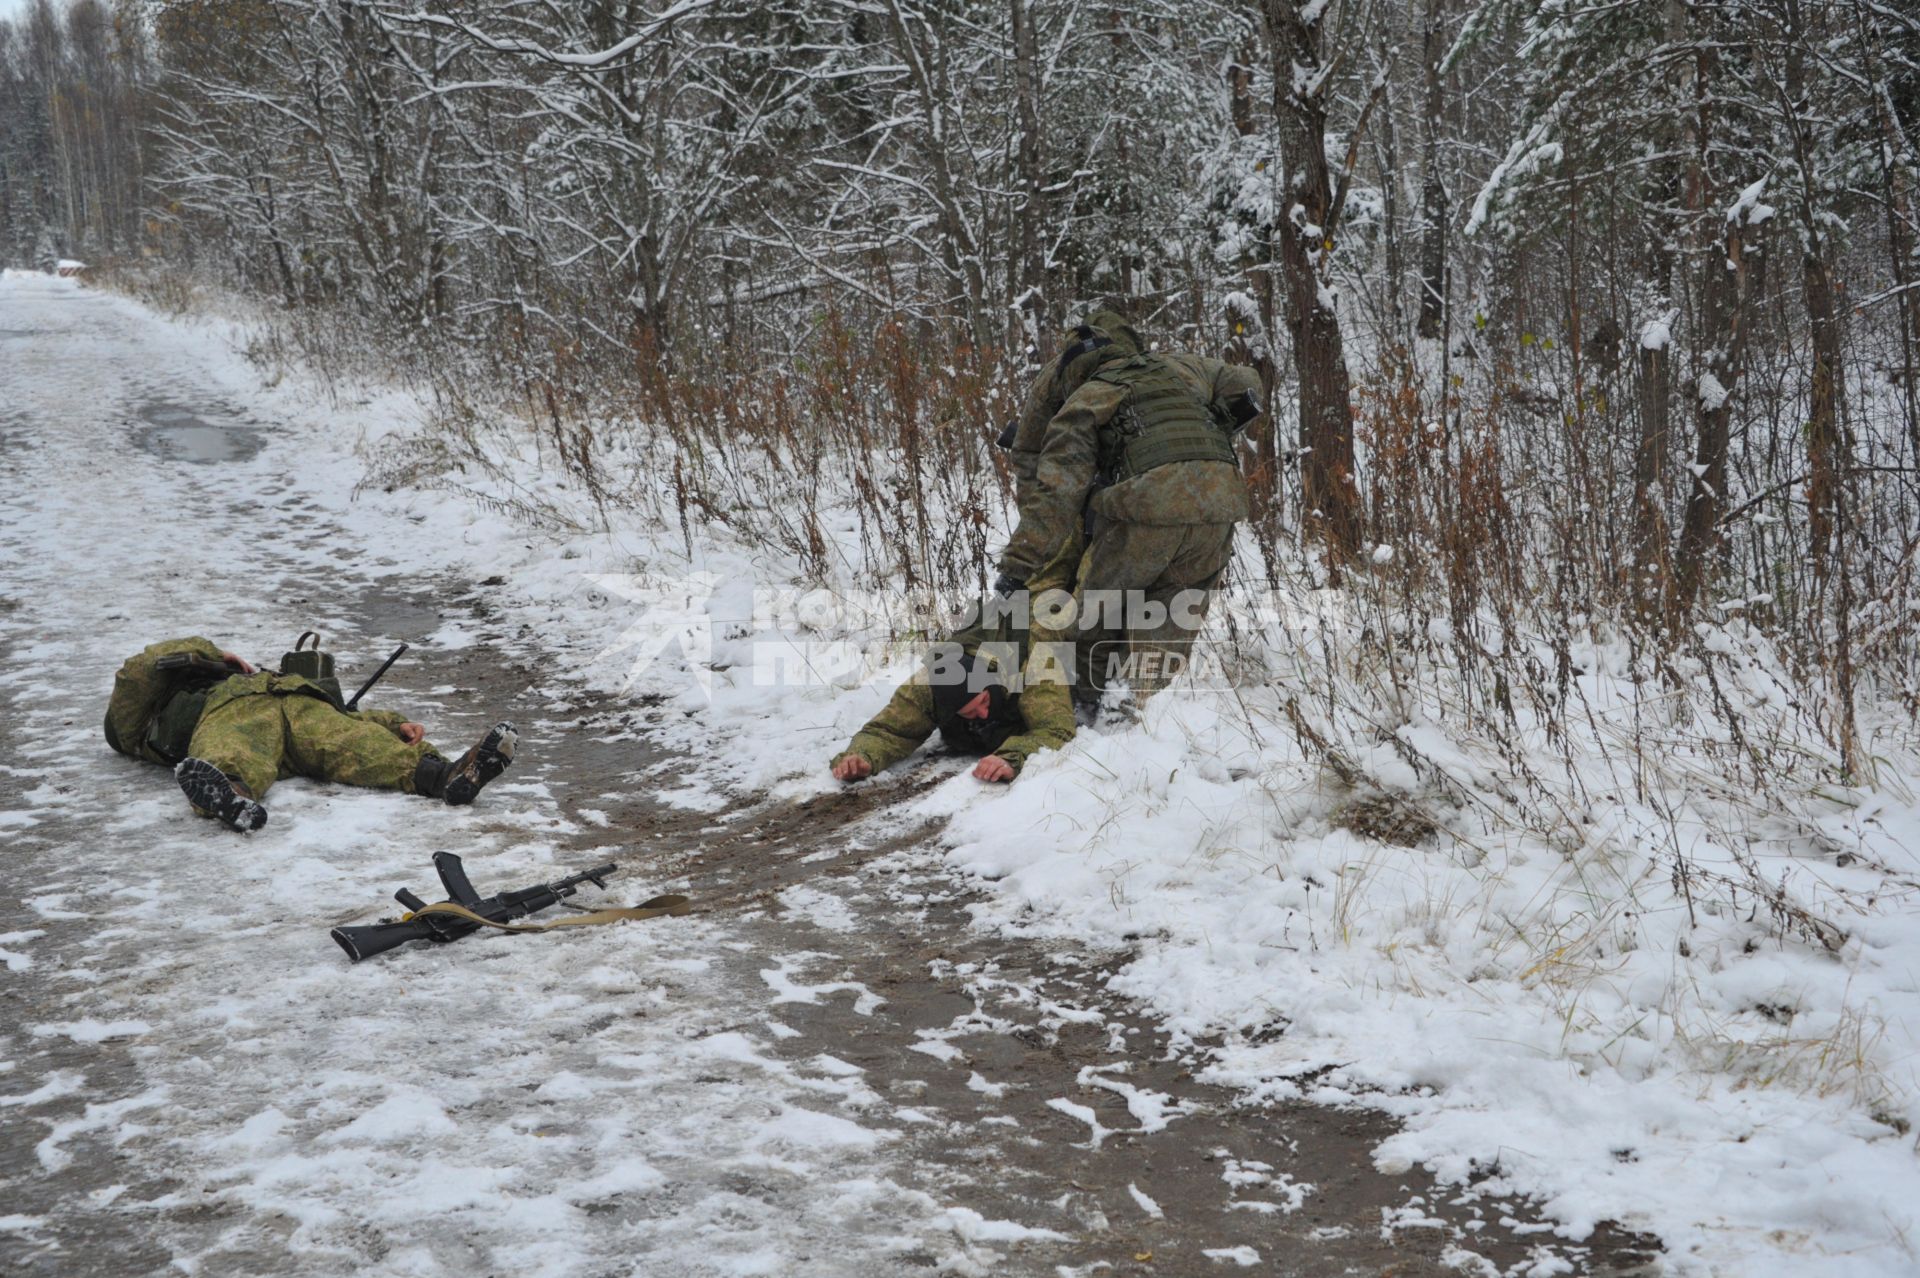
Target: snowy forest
1574, 638
1610, 306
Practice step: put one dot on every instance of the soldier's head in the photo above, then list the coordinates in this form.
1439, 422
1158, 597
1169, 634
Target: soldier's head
1108, 320
1101, 338
970, 692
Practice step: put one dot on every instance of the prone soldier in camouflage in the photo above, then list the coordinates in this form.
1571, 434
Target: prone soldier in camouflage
1143, 442
1000, 688
229, 732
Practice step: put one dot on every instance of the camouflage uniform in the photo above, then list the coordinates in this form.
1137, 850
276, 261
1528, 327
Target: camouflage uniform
1038, 717
256, 728
1045, 398
1166, 531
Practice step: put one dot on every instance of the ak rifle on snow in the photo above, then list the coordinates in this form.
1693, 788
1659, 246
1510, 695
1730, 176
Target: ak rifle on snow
466, 911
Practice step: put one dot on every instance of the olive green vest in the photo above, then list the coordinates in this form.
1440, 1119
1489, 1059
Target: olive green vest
172, 729
1161, 422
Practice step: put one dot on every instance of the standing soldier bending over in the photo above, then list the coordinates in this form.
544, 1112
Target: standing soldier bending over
1101, 329
1144, 442
229, 732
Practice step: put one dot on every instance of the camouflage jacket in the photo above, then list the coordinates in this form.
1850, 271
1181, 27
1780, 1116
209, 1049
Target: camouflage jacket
1045, 398
1206, 492
1043, 401
143, 695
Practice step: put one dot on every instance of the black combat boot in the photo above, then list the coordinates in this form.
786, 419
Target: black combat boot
458, 782
218, 795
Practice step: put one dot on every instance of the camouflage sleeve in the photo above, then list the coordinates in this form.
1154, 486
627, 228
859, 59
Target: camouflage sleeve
1046, 701
898, 730
1043, 401
1233, 379
388, 719
139, 690
1051, 512
1215, 380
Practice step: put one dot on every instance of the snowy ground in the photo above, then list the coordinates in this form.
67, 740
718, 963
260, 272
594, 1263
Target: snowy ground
192, 1078
189, 1071
1654, 964
1537, 1005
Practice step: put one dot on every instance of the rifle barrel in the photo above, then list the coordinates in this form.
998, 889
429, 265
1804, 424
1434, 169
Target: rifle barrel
368, 685
531, 900
586, 876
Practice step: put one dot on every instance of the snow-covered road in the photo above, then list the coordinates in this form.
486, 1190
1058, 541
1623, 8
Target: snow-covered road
829, 1071
189, 1071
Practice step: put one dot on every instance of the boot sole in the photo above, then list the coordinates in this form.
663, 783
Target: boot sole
481, 764
208, 789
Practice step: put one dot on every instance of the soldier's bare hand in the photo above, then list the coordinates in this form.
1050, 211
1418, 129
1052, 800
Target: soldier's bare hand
852, 768
412, 733
993, 768
238, 662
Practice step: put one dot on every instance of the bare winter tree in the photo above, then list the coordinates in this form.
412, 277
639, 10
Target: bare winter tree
1310, 203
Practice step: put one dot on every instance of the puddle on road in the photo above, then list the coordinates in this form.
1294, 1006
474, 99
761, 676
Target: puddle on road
174, 433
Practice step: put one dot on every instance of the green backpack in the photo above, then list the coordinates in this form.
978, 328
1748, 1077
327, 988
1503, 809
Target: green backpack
313, 665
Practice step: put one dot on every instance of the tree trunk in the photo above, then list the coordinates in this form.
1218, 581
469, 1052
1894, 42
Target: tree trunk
1433, 192
1252, 339
1727, 290
1649, 585
1901, 257
1328, 489
1031, 292
960, 252
1673, 185
1824, 460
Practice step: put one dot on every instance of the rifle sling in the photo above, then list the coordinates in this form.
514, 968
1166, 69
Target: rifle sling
652, 909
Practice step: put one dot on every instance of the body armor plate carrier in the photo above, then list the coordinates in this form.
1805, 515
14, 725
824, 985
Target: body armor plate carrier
1163, 421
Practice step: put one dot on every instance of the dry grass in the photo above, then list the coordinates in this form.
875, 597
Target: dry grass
1386, 818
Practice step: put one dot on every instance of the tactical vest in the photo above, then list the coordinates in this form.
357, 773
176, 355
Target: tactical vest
171, 731
1161, 422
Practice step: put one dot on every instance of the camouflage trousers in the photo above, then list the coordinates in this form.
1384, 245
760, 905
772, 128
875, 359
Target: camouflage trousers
261, 738
1143, 593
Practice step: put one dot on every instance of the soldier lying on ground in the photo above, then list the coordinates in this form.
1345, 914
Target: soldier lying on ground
230, 734
1000, 687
